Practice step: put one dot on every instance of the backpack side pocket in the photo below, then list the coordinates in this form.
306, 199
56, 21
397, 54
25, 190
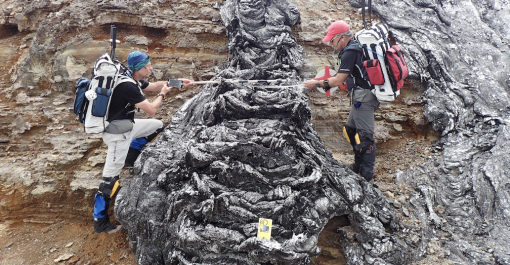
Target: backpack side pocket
397, 66
374, 72
100, 104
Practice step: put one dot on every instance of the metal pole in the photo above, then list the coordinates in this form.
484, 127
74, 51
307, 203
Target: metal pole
113, 41
239, 81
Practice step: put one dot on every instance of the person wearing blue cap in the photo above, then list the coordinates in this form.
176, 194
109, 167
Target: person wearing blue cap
123, 128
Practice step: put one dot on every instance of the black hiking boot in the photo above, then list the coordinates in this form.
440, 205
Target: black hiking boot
104, 225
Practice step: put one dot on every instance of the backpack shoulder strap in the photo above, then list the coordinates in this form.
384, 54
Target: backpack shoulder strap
120, 79
356, 47
359, 48
123, 79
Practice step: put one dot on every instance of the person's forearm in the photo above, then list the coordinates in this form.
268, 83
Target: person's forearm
155, 87
154, 106
334, 81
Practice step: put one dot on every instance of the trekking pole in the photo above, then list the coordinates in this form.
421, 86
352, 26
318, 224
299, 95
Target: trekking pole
113, 41
363, 4
370, 12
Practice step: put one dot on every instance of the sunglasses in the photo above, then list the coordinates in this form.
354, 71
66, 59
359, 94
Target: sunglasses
331, 41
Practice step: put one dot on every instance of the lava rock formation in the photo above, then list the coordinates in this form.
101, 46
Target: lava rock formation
461, 51
236, 153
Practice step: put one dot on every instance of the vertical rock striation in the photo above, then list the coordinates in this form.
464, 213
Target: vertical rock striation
461, 50
236, 153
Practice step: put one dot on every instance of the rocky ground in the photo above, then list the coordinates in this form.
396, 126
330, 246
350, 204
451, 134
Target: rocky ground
72, 241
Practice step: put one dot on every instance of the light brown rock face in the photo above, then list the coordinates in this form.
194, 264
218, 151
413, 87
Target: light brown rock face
49, 165
46, 46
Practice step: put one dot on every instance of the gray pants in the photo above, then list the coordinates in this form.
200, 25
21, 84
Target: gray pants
362, 118
361, 121
118, 144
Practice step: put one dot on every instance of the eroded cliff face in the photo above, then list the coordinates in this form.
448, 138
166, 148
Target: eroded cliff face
50, 168
47, 45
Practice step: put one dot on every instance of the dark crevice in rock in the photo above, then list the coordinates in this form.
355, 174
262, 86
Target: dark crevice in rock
7, 31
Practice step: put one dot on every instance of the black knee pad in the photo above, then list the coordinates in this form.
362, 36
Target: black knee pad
131, 157
350, 135
364, 140
155, 134
109, 187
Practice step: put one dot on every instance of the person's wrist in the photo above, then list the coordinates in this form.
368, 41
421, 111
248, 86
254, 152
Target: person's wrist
326, 84
161, 95
318, 84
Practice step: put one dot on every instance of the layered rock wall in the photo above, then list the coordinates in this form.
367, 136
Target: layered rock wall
50, 168
47, 45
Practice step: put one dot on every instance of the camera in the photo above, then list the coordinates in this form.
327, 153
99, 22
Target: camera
174, 83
